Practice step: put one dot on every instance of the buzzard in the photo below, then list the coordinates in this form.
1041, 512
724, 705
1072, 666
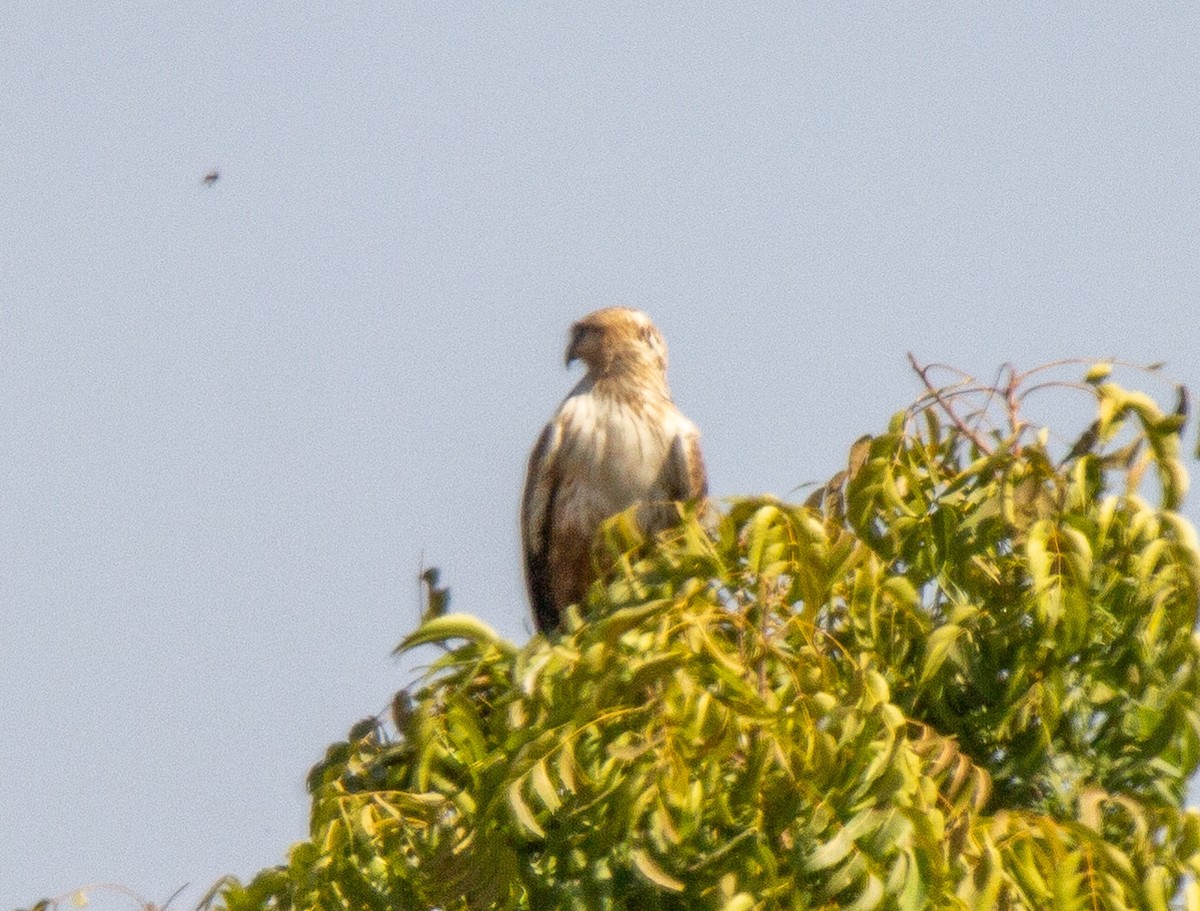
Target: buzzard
617, 439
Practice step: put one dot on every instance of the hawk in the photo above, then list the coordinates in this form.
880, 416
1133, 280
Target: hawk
617, 439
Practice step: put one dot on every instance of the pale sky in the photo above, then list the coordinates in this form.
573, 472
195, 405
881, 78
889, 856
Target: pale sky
237, 420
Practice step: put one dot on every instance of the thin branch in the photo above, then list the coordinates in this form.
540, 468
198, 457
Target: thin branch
1058, 384
1012, 402
174, 895
946, 407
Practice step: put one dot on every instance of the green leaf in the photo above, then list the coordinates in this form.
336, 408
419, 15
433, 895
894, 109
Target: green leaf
838, 848
645, 865
455, 626
540, 778
942, 646
520, 809
760, 534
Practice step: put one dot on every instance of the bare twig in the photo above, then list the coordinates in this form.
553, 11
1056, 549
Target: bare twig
1012, 404
174, 895
214, 893
945, 405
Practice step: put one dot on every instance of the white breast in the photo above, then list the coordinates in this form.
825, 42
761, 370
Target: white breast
612, 453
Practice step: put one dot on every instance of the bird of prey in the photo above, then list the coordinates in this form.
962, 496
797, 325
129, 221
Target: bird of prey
617, 439
211, 177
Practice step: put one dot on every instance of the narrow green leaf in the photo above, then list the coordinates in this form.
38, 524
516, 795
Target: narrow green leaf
871, 896
760, 533
544, 788
565, 763
516, 802
836, 849
455, 626
653, 872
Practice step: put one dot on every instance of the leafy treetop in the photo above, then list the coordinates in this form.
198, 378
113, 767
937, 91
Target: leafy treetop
963, 675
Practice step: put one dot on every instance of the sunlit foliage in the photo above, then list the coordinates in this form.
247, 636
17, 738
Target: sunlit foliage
962, 675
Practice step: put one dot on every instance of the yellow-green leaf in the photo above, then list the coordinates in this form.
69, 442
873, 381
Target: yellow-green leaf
524, 815
653, 872
455, 626
544, 787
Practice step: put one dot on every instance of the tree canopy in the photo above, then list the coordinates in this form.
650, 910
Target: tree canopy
962, 675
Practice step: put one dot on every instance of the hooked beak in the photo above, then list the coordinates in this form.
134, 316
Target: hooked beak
572, 354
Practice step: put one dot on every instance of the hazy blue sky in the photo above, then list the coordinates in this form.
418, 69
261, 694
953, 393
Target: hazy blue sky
237, 420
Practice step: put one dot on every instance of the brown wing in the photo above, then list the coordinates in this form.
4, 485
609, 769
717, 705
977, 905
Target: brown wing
687, 478
537, 511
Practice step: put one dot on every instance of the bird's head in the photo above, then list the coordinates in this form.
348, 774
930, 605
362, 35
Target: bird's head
617, 340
